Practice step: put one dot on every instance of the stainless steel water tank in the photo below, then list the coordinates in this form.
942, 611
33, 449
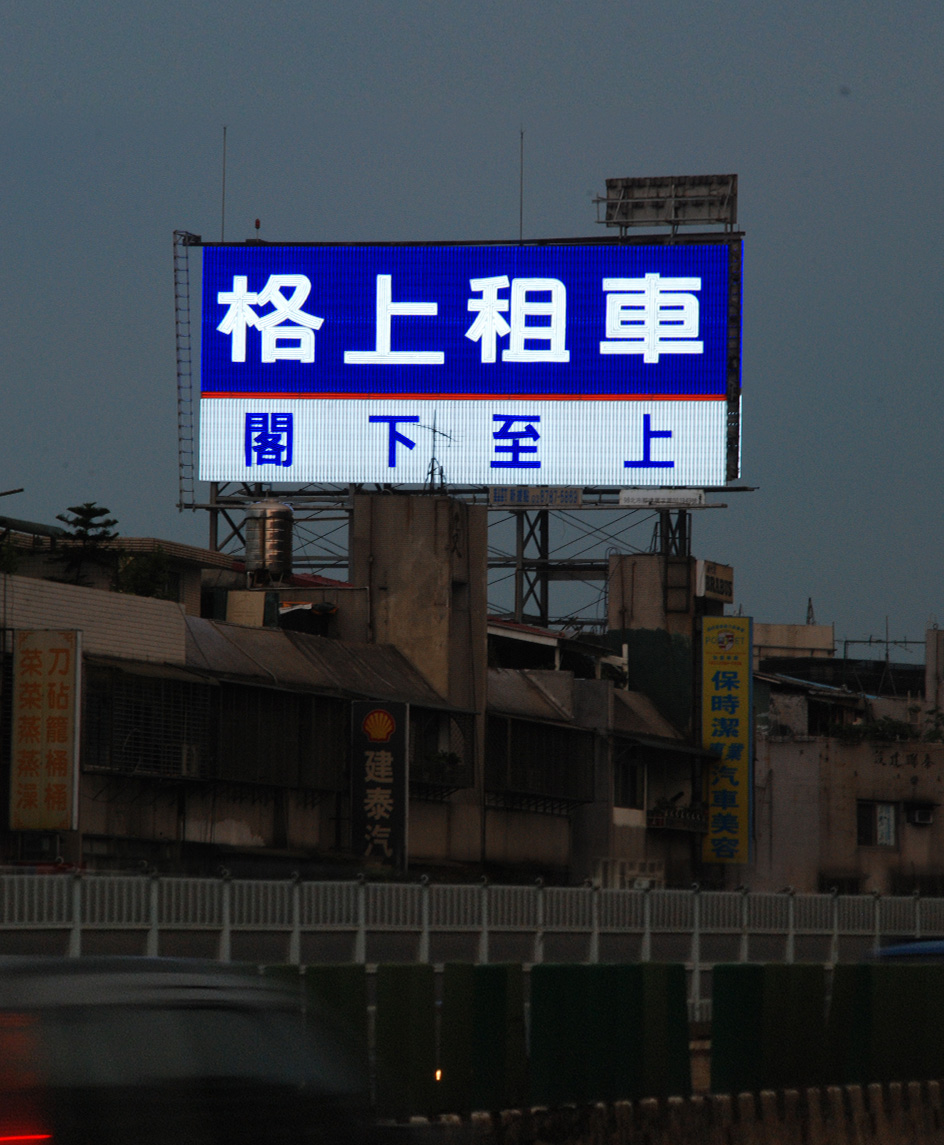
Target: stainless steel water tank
269, 538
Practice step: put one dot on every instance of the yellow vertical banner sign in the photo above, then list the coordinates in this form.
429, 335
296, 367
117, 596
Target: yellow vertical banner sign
46, 702
727, 727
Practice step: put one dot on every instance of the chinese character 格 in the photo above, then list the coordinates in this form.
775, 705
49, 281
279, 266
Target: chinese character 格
387, 310
287, 322
268, 439
516, 441
651, 316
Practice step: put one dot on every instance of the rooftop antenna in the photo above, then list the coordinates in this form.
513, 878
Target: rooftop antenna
435, 476
810, 614
521, 186
223, 197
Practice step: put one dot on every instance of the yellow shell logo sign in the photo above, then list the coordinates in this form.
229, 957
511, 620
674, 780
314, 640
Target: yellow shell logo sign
379, 726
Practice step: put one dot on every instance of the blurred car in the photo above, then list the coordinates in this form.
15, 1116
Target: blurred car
930, 950
142, 1051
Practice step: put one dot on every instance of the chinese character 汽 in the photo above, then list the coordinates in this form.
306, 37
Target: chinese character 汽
287, 322
378, 838
516, 441
651, 316
268, 439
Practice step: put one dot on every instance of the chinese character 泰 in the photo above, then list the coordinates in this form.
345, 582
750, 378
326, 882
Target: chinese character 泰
516, 441
268, 439
651, 316
378, 803
286, 322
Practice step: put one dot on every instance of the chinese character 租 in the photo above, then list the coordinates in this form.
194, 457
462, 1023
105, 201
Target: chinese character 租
489, 324
516, 441
651, 316
552, 313
286, 322
268, 439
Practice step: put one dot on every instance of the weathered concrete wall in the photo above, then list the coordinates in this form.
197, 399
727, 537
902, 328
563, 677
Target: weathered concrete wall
112, 624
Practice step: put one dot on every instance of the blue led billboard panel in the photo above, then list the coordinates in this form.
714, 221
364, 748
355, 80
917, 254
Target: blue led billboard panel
558, 364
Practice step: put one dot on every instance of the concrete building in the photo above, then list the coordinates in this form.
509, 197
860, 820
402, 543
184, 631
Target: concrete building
216, 724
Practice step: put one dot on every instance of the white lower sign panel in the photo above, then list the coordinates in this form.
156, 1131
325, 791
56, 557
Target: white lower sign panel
476, 442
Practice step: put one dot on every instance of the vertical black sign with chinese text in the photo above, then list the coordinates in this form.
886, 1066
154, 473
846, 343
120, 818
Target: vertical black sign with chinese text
379, 787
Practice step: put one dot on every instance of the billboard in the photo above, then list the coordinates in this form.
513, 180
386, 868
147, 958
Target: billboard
379, 782
537, 364
727, 731
44, 744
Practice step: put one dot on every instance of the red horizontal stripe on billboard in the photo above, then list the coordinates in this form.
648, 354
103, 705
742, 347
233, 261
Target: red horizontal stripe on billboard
473, 397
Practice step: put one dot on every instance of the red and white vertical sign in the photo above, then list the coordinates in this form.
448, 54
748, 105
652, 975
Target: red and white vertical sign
47, 693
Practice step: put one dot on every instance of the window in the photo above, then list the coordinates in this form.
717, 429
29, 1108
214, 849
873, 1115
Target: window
875, 824
629, 779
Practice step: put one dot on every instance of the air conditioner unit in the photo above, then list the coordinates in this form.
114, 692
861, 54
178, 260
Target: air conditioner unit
921, 817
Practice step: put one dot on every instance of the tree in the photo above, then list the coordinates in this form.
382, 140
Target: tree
89, 541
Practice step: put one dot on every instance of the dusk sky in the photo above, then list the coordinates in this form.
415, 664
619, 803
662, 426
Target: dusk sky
374, 120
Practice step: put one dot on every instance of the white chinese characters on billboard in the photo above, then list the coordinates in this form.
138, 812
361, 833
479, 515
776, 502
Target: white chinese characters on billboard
552, 364
46, 699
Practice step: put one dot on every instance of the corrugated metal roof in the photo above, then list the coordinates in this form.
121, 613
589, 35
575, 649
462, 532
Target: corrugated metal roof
296, 660
636, 714
515, 692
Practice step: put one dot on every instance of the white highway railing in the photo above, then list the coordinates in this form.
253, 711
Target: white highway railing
431, 922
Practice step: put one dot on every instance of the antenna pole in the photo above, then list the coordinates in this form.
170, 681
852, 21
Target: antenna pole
521, 186
223, 196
